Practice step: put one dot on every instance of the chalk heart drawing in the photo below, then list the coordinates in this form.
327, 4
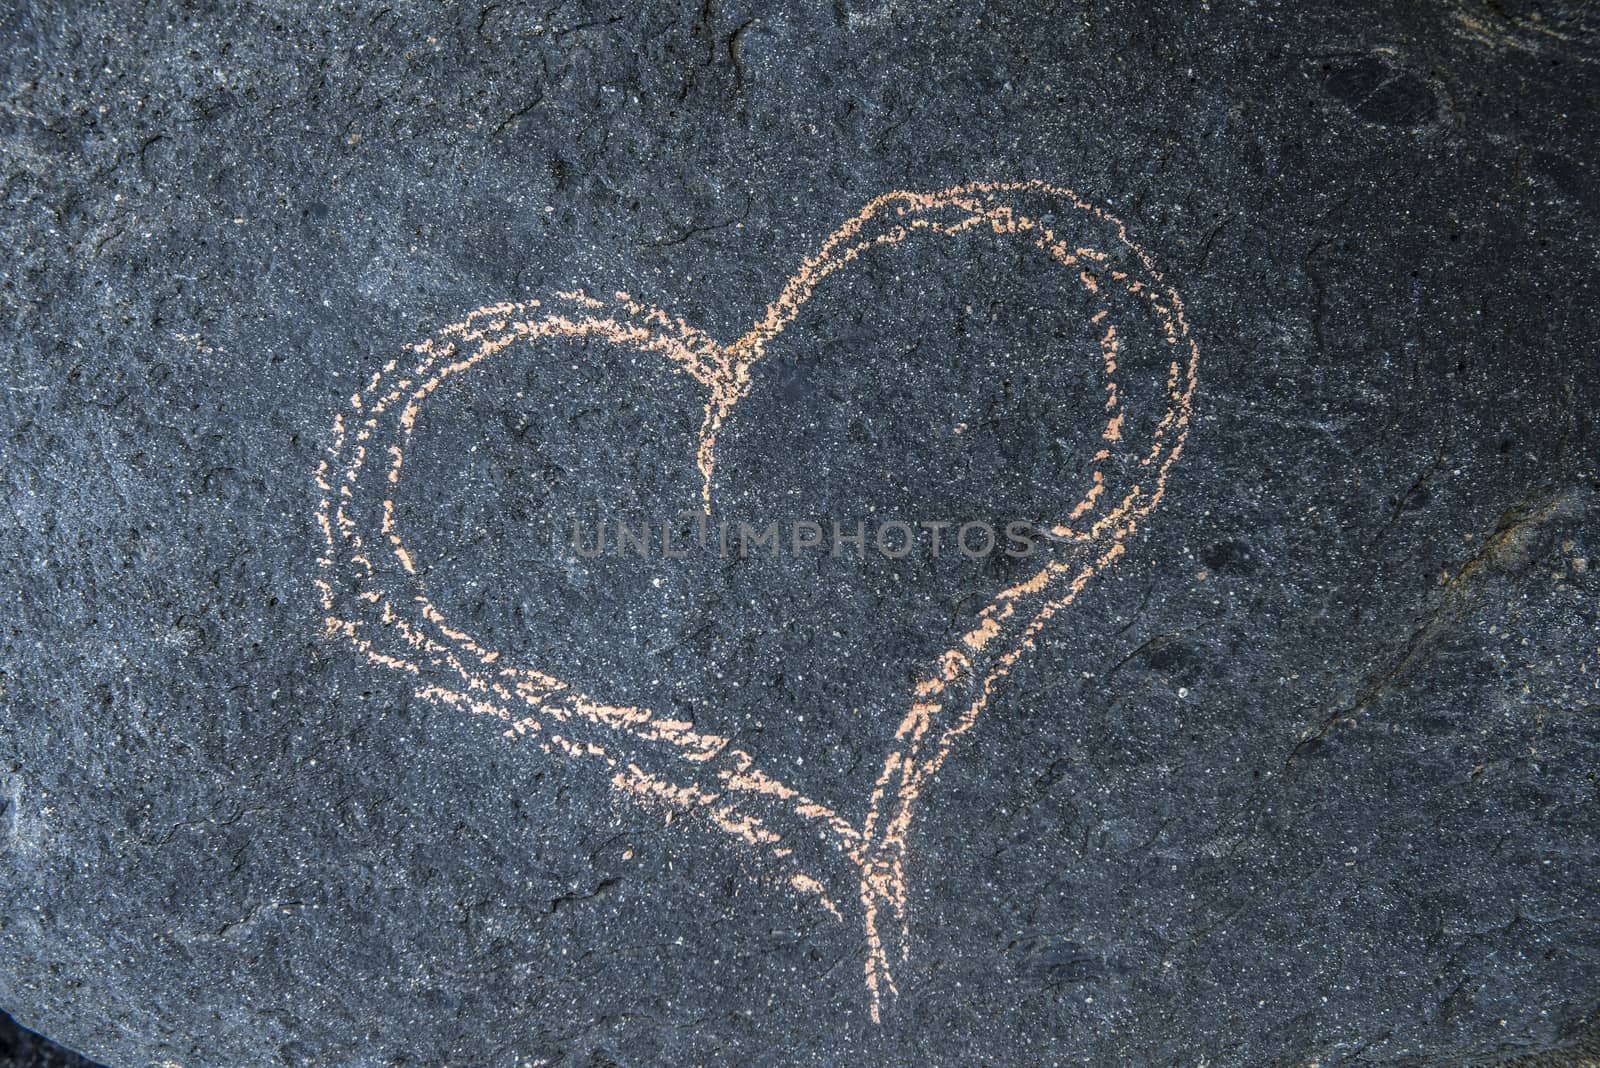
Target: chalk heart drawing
375, 597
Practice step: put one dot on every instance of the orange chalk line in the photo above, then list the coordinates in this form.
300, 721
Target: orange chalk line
977, 655
416, 638
442, 647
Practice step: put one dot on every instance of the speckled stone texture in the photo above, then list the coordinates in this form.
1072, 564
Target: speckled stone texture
1308, 775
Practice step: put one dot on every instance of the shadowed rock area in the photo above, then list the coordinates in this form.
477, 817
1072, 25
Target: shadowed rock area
1271, 328
20, 1048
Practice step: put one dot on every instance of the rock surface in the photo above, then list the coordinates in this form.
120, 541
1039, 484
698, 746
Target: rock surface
1306, 773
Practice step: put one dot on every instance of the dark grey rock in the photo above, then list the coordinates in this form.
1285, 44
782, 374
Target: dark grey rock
1308, 776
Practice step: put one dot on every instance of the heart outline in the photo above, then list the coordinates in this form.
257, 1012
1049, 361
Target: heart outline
365, 603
